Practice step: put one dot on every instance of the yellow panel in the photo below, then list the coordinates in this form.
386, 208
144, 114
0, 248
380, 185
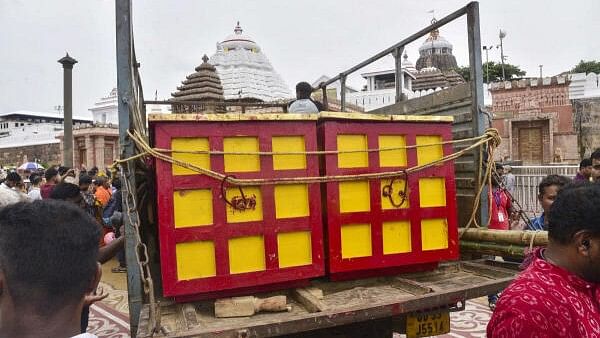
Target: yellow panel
249, 215
187, 144
434, 234
291, 200
396, 188
428, 154
352, 160
354, 196
392, 158
195, 260
241, 163
288, 143
294, 249
432, 192
246, 254
396, 237
356, 240
192, 208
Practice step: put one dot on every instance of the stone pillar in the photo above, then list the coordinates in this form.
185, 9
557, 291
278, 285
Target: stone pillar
99, 150
67, 63
89, 152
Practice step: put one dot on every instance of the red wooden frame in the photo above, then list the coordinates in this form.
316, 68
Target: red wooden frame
358, 266
221, 231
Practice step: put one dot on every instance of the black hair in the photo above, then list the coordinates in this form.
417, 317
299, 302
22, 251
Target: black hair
116, 183
50, 173
303, 90
595, 155
64, 191
116, 219
550, 180
586, 162
85, 179
99, 180
575, 209
13, 177
35, 179
63, 170
48, 253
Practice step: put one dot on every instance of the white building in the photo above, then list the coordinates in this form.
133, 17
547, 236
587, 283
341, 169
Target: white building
27, 128
584, 86
106, 110
245, 71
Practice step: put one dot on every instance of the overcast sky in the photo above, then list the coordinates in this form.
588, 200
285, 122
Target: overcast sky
303, 39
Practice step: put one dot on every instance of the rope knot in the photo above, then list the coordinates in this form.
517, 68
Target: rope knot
493, 136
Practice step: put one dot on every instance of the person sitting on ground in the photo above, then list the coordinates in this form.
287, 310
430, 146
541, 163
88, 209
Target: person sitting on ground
547, 191
52, 179
303, 103
34, 192
557, 294
595, 157
585, 170
9, 193
48, 269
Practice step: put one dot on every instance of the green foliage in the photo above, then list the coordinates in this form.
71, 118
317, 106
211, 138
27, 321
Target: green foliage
587, 67
511, 72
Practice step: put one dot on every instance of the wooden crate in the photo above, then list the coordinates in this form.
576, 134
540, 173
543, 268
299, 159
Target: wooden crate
207, 247
364, 231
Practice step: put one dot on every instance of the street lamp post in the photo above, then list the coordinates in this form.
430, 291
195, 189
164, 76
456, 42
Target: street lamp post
67, 63
487, 63
502, 35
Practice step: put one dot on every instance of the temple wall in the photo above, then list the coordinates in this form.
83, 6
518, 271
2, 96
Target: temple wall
44, 153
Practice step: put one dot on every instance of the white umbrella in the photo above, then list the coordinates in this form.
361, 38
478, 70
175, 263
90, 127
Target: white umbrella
30, 166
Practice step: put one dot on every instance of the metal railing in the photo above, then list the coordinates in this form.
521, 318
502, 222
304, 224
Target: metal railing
527, 179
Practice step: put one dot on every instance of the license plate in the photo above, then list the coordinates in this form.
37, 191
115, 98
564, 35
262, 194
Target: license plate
427, 324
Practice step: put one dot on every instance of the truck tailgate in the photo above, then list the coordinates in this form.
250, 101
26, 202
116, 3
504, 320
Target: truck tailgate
342, 303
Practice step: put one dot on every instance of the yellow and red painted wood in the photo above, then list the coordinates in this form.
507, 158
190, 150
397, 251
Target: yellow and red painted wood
366, 232
206, 245
209, 248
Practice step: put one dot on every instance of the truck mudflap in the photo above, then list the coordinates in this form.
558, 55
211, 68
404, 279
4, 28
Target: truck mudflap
415, 303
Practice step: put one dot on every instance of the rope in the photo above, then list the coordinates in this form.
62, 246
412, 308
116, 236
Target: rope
315, 152
490, 135
532, 240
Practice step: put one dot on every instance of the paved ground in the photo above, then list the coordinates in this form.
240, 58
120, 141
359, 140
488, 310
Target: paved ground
109, 319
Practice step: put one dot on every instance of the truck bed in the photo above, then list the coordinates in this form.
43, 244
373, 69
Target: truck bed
342, 304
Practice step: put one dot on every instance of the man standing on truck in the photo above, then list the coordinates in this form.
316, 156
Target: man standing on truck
48, 268
558, 294
303, 103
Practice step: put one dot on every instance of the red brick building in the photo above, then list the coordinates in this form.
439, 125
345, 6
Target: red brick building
535, 120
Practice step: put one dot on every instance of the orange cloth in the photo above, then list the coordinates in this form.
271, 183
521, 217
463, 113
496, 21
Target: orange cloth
103, 195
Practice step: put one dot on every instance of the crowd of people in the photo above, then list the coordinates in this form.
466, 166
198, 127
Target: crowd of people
94, 194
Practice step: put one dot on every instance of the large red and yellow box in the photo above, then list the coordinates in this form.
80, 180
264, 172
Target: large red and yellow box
206, 246
365, 232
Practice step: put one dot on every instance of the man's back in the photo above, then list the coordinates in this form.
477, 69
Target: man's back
304, 106
547, 301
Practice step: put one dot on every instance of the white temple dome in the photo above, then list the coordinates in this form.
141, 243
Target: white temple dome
246, 72
435, 40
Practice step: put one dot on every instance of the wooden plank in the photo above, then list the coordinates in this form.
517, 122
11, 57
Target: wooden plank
308, 300
230, 117
381, 117
486, 270
411, 286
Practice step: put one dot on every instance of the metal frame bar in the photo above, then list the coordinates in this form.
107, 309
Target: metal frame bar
124, 49
471, 10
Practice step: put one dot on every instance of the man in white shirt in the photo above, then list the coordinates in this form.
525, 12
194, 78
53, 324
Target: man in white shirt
34, 193
303, 103
48, 268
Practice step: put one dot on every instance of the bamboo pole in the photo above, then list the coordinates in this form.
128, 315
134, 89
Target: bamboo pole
494, 249
516, 237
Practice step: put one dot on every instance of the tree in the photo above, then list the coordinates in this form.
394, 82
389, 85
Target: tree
587, 67
510, 71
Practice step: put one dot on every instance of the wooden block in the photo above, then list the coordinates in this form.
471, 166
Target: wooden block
310, 302
249, 305
315, 291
